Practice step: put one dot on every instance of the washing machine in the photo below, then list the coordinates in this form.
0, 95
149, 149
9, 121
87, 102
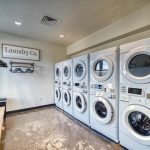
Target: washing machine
134, 107
104, 95
58, 85
67, 87
81, 88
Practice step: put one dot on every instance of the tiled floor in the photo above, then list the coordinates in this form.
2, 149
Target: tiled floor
50, 129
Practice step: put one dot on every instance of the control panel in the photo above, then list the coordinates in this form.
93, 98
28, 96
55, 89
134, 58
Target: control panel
101, 90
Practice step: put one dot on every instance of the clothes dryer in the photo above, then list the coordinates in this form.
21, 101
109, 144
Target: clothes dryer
81, 88
134, 111
104, 82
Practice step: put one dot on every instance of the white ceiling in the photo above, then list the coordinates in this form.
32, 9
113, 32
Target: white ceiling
79, 17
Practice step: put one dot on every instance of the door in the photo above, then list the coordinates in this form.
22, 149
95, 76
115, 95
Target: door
79, 70
102, 68
66, 97
136, 119
57, 94
66, 72
136, 66
57, 72
102, 110
80, 102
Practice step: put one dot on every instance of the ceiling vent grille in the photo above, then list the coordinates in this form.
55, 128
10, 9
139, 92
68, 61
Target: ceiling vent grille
49, 20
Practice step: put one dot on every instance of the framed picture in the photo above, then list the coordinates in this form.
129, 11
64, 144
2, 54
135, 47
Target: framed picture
19, 52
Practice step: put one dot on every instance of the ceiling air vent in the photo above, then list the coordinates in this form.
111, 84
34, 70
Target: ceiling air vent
49, 20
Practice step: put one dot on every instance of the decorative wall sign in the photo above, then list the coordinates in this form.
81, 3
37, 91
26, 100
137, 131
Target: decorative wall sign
19, 52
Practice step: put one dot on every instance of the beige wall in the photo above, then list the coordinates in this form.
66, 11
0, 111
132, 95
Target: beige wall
116, 42
30, 90
135, 23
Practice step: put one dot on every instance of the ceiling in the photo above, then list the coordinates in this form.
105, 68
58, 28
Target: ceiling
79, 18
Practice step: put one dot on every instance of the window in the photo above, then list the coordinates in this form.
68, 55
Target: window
140, 123
100, 109
57, 72
79, 102
79, 70
101, 68
66, 71
139, 65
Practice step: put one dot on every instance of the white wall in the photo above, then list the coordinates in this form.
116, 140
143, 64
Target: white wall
30, 90
134, 23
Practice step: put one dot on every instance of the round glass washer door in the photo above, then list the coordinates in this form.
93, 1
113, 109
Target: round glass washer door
80, 70
57, 73
102, 110
66, 72
80, 102
136, 67
136, 119
102, 68
57, 94
66, 97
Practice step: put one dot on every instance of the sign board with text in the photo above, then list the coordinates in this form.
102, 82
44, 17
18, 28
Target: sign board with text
19, 52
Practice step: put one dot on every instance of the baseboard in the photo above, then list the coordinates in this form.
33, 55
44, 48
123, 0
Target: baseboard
31, 108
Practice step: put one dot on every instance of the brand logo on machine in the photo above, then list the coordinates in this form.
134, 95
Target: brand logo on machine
18, 52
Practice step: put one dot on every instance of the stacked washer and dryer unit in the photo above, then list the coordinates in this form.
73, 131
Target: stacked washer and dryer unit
58, 85
67, 87
104, 103
134, 111
81, 89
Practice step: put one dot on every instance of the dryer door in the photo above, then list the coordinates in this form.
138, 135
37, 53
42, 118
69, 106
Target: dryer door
80, 70
80, 102
57, 73
136, 65
102, 68
66, 72
136, 119
66, 97
102, 110
57, 94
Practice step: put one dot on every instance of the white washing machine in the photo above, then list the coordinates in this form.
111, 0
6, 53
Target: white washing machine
67, 87
81, 88
104, 102
134, 115
58, 85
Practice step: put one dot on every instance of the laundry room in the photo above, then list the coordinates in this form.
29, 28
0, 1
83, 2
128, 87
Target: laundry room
75, 75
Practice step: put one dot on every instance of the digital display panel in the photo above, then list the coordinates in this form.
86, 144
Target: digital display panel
77, 84
135, 91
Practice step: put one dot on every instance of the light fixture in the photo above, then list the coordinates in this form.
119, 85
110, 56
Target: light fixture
18, 23
61, 36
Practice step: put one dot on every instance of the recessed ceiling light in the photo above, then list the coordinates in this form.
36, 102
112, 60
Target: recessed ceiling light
18, 23
61, 35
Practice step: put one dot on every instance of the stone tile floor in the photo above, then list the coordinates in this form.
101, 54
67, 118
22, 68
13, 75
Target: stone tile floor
50, 129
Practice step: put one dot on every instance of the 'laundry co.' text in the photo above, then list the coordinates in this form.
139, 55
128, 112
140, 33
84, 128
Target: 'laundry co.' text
20, 51
11, 51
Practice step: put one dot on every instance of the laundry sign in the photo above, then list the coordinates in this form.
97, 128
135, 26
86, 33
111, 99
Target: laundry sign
19, 52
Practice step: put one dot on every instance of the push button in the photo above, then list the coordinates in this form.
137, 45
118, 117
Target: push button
148, 95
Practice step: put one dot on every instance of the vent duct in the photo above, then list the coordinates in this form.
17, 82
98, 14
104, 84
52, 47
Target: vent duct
49, 20
2, 64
